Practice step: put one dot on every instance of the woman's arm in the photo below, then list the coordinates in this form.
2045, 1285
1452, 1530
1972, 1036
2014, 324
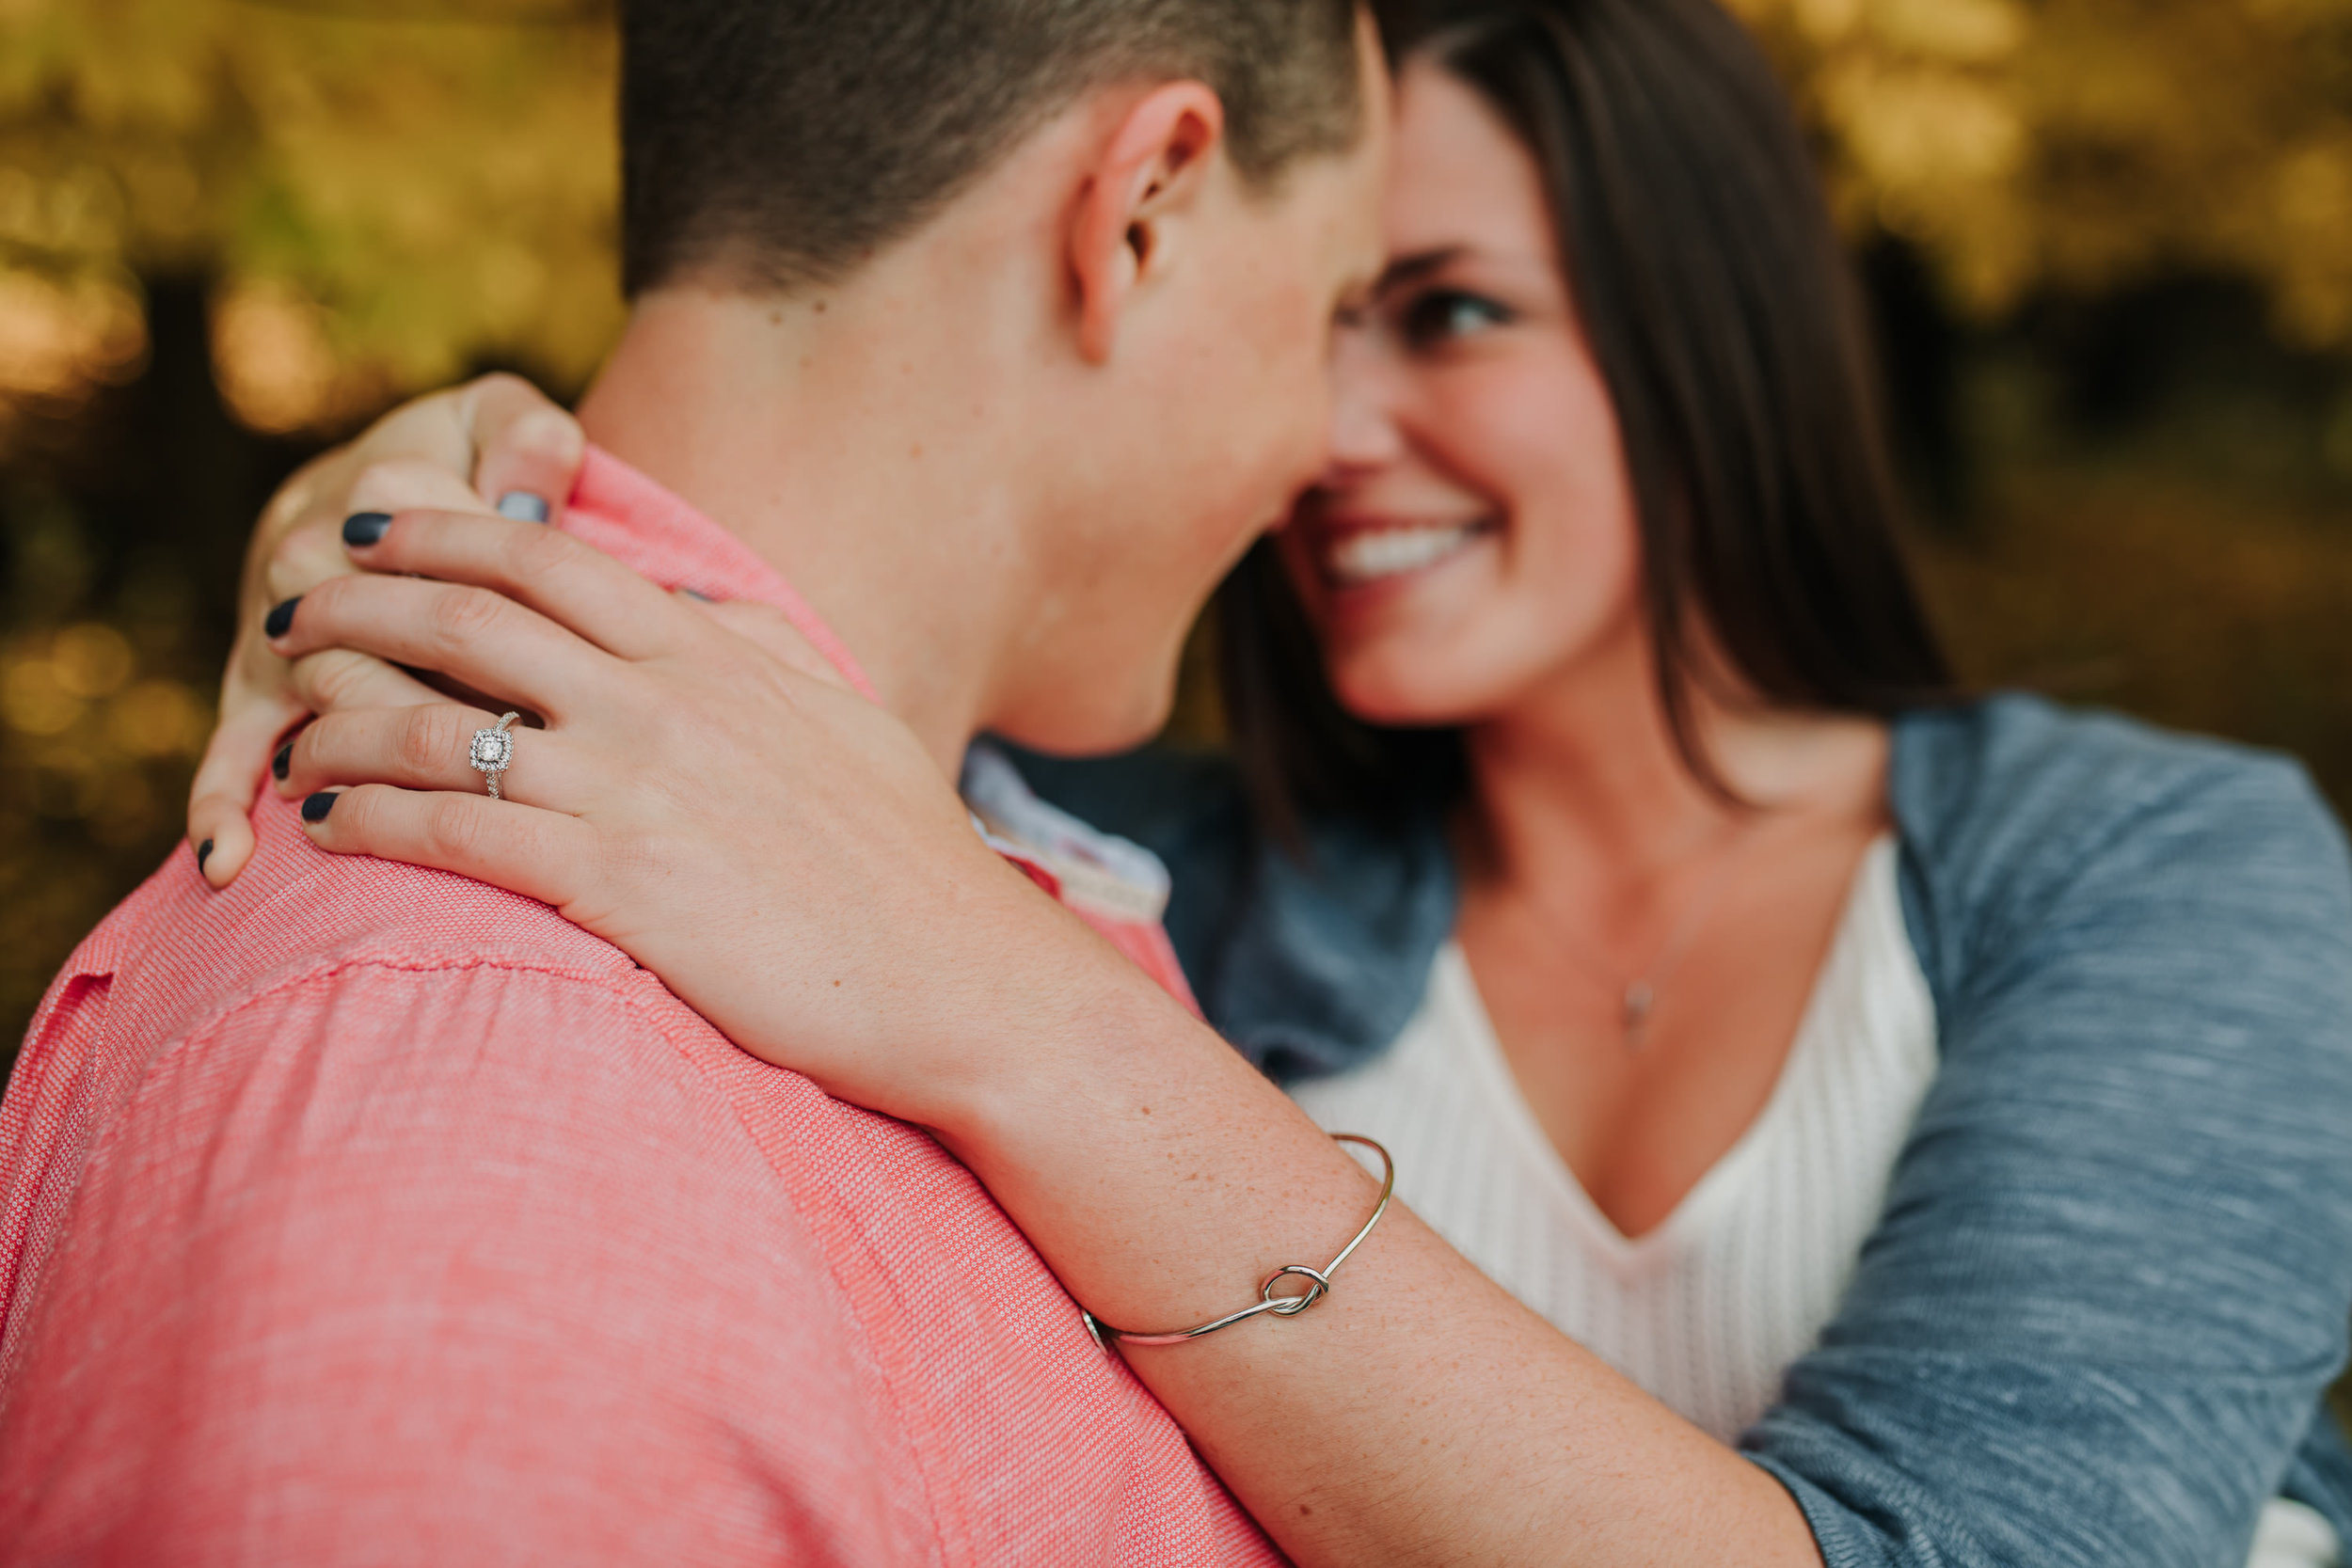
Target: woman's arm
1418, 1415
2109, 1291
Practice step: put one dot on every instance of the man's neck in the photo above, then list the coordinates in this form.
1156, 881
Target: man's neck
842, 441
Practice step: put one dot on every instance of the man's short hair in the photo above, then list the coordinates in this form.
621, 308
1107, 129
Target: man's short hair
778, 143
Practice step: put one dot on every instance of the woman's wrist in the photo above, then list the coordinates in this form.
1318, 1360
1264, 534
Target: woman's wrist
1161, 1176
1062, 1026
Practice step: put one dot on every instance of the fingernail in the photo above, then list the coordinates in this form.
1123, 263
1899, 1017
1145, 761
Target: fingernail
317, 806
281, 619
281, 762
204, 853
523, 506
362, 529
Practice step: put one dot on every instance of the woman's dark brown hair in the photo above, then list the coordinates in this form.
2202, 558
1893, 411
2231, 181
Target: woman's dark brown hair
1721, 310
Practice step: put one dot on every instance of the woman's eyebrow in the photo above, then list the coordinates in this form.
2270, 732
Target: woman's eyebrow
1406, 270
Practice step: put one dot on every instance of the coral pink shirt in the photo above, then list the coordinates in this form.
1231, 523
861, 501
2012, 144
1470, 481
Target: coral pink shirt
361, 1214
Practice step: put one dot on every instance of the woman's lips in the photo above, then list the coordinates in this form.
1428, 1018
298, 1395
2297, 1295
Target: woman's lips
1353, 556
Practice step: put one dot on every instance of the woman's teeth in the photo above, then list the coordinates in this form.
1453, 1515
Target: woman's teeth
1388, 553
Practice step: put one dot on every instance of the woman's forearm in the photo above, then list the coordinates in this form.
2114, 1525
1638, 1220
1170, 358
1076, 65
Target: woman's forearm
1418, 1415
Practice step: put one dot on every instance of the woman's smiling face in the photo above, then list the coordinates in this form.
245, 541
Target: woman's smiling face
1474, 535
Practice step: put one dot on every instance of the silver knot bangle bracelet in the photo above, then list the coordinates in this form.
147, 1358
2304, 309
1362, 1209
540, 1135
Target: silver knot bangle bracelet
1287, 1305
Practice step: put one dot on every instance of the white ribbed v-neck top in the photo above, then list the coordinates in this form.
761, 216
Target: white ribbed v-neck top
1708, 1311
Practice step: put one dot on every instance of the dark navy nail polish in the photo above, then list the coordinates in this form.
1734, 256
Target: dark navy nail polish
281, 762
281, 619
523, 506
317, 806
362, 529
204, 853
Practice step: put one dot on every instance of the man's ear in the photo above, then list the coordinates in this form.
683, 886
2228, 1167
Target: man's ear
1150, 169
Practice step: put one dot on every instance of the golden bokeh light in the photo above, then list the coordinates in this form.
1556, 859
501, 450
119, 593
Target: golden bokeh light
273, 363
58, 339
380, 196
386, 195
92, 660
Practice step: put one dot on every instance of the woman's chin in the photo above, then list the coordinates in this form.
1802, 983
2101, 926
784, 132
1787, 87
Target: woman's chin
1403, 693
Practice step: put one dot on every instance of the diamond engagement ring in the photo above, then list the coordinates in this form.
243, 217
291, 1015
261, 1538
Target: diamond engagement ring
491, 750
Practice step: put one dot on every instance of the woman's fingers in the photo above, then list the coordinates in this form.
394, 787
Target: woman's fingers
340, 678
540, 854
530, 449
383, 489
420, 454
424, 747
299, 559
498, 432
473, 635
220, 801
768, 629
574, 584
430, 452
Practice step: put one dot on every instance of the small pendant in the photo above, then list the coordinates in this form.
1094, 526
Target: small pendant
1639, 1000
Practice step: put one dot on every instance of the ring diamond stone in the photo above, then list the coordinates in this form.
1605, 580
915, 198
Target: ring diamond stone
491, 750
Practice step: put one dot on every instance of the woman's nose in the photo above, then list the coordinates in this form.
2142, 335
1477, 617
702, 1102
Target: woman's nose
1364, 430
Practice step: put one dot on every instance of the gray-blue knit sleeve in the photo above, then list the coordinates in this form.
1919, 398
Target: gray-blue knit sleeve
2111, 1284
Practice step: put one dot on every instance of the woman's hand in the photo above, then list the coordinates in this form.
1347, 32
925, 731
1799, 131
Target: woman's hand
706, 795
517, 448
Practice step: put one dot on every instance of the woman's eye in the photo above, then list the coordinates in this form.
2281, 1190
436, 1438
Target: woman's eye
1443, 315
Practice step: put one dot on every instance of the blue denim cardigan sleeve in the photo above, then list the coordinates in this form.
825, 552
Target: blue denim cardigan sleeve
2097, 1320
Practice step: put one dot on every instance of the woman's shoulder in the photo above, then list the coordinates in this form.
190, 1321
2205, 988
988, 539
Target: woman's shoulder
2016, 764
2018, 815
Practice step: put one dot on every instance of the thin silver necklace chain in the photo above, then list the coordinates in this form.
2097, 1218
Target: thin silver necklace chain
1637, 998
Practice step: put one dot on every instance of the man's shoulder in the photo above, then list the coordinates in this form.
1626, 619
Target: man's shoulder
494, 1179
360, 1042
449, 1215
320, 991
178, 956
382, 1002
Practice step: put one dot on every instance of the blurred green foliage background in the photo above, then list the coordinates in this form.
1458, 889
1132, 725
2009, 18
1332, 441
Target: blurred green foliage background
2109, 244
